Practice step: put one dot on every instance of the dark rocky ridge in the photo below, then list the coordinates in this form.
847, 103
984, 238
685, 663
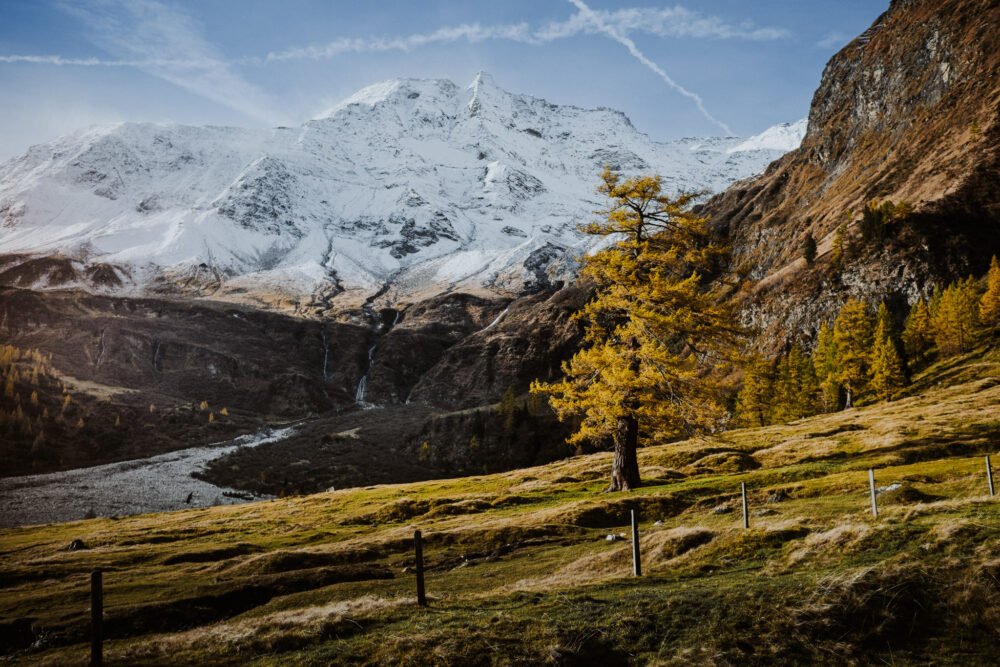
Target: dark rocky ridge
907, 112
439, 354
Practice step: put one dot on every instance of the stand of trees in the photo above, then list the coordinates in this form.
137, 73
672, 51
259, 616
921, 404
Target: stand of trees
861, 358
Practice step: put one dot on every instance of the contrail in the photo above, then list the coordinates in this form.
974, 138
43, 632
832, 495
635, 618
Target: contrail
60, 61
634, 50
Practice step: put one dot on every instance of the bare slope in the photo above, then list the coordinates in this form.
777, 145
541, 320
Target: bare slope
906, 112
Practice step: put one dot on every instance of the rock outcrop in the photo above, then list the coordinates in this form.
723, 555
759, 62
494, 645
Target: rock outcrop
908, 111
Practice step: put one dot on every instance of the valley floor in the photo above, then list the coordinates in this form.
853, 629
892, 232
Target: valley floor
156, 484
521, 569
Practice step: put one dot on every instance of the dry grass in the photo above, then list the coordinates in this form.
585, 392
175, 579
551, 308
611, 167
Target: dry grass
519, 568
278, 631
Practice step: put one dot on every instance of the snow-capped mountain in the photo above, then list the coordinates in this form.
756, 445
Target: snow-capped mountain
407, 188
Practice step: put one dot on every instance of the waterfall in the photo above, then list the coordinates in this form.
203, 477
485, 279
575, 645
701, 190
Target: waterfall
359, 396
326, 350
100, 350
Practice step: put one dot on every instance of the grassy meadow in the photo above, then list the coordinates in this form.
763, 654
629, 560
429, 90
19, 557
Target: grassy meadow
520, 568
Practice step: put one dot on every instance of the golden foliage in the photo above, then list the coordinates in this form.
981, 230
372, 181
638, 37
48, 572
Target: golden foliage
654, 331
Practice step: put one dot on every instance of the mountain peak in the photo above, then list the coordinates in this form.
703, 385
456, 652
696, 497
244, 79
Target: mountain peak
394, 90
417, 182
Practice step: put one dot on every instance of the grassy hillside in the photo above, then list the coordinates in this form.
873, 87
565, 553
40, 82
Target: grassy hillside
520, 568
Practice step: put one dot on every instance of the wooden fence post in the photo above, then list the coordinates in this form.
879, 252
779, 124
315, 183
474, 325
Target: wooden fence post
418, 548
96, 618
871, 484
636, 564
746, 514
989, 475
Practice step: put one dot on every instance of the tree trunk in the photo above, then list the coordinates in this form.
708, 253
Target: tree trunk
625, 465
847, 406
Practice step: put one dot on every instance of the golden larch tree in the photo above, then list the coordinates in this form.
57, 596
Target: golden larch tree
886, 366
853, 333
655, 332
989, 305
918, 331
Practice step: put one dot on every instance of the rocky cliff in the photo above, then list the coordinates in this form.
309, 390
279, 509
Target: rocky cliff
906, 112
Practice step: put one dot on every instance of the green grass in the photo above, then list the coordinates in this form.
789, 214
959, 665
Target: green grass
519, 570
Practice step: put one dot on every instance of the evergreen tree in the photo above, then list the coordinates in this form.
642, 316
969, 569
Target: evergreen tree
825, 366
934, 307
508, 406
794, 387
654, 333
887, 376
918, 332
957, 317
838, 248
805, 373
853, 332
753, 403
809, 250
989, 305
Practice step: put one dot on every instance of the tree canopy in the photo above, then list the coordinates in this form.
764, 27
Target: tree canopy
654, 330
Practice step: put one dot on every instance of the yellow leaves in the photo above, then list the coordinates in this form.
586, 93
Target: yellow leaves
654, 332
989, 305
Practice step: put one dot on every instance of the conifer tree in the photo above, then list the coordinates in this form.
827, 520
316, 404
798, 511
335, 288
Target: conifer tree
957, 317
887, 376
935, 304
838, 248
784, 393
825, 366
753, 403
918, 332
508, 408
794, 387
989, 305
853, 332
808, 384
809, 250
654, 331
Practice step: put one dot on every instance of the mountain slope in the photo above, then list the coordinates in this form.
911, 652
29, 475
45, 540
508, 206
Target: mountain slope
906, 112
408, 189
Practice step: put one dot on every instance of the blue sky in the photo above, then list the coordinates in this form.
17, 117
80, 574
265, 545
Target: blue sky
693, 69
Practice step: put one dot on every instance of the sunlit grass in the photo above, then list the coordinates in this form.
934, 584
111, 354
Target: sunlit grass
519, 567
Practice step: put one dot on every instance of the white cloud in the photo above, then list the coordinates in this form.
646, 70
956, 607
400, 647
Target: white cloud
661, 22
148, 35
168, 44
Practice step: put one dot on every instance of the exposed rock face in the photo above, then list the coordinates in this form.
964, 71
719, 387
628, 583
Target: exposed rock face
530, 340
256, 360
905, 112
